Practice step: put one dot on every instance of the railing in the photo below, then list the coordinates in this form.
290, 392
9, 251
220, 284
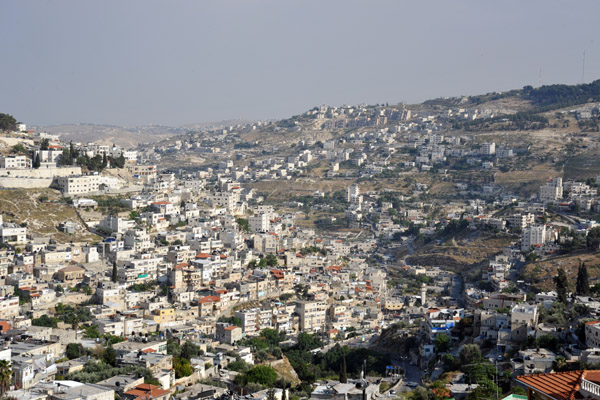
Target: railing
591, 387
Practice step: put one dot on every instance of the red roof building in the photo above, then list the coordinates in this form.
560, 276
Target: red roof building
568, 385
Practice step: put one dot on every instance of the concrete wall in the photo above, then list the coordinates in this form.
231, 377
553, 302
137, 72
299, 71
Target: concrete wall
33, 178
25, 183
40, 173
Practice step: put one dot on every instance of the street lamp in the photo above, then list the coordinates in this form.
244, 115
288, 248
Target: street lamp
362, 383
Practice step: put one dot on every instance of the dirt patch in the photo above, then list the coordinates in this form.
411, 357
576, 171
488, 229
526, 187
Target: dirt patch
42, 210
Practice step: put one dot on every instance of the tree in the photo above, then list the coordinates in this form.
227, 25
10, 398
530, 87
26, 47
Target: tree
115, 272
190, 350
562, 285
75, 350
469, 354
5, 376
182, 367
36, 161
582, 287
45, 320
261, 374
92, 332
7, 123
271, 394
72, 152
343, 374
44, 144
442, 344
173, 348
243, 224
271, 260
110, 356
592, 240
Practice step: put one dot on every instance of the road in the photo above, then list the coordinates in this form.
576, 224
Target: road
412, 373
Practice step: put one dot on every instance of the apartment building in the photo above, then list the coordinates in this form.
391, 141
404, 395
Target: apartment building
312, 314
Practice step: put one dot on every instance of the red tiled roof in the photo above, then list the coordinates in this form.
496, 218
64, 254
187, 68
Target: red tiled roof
559, 385
230, 328
162, 203
5, 326
203, 255
209, 299
146, 391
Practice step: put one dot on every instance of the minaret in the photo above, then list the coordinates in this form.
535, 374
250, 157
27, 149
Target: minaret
423, 294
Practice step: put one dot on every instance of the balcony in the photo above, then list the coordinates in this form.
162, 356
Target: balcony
592, 388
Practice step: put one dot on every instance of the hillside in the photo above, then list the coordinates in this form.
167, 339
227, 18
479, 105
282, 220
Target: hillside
108, 134
42, 210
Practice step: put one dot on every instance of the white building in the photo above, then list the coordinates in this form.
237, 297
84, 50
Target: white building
353, 194
551, 191
312, 315
523, 321
259, 222
15, 162
533, 235
12, 233
75, 185
488, 149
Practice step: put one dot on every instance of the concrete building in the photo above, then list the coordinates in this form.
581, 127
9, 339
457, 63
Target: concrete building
551, 191
12, 233
15, 162
523, 321
488, 149
532, 236
312, 315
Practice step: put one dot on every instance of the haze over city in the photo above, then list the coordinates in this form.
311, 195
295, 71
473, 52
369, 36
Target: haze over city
178, 62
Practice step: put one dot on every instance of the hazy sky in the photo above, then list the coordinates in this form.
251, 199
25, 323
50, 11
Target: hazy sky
176, 62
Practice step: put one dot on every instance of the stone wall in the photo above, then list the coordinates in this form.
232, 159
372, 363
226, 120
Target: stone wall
33, 178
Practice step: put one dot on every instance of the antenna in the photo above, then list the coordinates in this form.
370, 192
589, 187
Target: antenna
583, 67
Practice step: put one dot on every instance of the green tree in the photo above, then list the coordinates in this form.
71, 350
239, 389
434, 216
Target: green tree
182, 367
469, 354
592, 240
92, 332
271, 260
343, 373
36, 161
115, 272
190, 350
173, 348
18, 148
75, 350
562, 285
243, 224
442, 344
5, 376
262, 374
7, 123
110, 356
44, 144
45, 320
582, 287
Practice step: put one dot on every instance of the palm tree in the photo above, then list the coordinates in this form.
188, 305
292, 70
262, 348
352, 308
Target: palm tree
5, 376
